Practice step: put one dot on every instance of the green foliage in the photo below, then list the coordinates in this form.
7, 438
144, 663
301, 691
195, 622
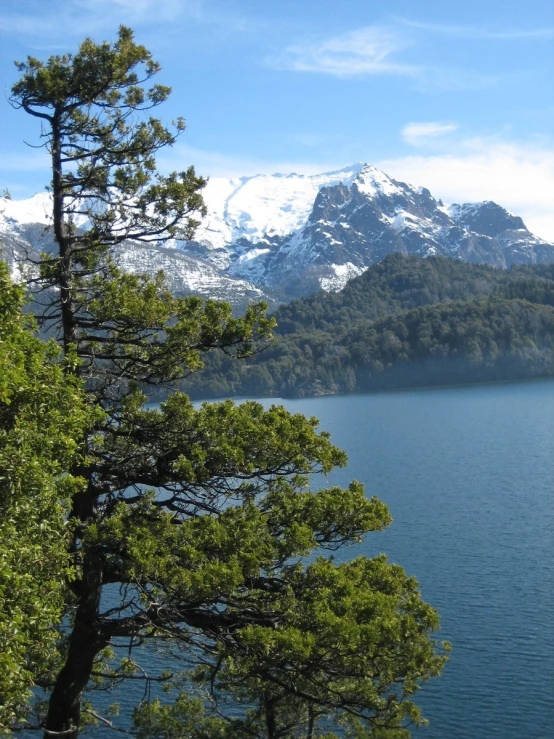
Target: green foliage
204, 520
147, 335
460, 342
188, 718
406, 321
90, 100
349, 631
42, 420
396, 284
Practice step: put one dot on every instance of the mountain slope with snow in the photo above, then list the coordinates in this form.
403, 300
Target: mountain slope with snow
25, 232
295, 234
301, 233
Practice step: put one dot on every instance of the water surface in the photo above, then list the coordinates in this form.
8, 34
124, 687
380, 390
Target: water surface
468, 474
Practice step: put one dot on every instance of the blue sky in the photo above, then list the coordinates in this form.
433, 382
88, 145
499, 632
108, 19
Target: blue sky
455, 96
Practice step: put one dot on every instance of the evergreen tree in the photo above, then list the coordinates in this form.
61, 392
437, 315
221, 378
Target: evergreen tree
43, 416
201, 517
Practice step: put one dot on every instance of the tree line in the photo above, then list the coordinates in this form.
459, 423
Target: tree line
405, 322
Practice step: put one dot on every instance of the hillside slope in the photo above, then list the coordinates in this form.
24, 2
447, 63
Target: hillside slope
406, 321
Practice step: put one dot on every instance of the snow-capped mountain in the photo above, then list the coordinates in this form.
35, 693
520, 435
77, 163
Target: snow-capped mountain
290, 235
300, 233
24, 233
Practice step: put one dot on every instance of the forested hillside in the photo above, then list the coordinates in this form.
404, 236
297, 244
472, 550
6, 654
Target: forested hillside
405, 322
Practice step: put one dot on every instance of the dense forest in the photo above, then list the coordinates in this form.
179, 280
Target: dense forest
405, 322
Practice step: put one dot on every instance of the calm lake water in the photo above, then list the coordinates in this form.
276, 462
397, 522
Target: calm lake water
468, 474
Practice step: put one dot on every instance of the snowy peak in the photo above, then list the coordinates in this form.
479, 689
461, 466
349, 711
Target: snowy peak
486, 218
373, 183
288, 235
263, 207
24, 233
37, 209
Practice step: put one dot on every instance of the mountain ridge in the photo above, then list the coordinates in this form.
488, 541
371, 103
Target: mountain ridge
284, 236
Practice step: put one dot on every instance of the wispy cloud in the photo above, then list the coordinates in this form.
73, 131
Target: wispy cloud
478, 32
376, 50
417, 134
365, 51
456, 79
49, 25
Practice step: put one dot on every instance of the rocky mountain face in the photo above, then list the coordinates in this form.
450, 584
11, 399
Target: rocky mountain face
284, 236
357, 217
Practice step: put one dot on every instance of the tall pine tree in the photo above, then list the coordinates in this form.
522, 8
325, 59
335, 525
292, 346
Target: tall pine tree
201, 519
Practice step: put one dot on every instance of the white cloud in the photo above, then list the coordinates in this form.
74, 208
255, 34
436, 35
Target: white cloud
364, 51
417, 134
520, 177
478, 32
449, 79
374, 50
136, 10
216, 164
49, 25
59, 20
167, 8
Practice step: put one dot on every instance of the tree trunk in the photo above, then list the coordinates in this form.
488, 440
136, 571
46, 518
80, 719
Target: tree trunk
270, 722
86, 640
311, 723
63, 239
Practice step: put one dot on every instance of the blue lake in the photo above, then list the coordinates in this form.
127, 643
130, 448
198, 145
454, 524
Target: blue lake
468, 474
